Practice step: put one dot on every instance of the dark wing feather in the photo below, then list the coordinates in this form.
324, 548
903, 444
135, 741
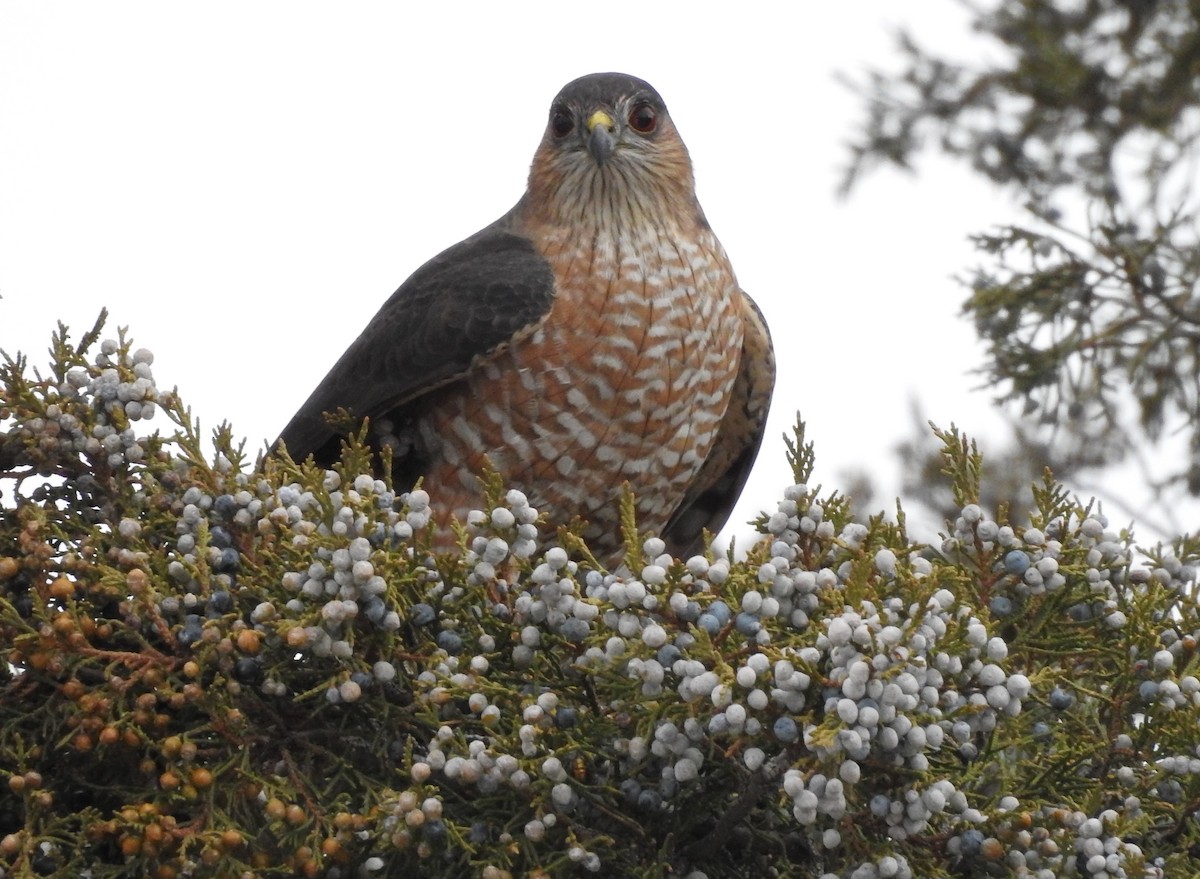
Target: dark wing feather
456, 310
712, 495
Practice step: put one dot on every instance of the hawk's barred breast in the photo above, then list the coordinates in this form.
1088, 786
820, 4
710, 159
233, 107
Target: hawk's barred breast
627, 379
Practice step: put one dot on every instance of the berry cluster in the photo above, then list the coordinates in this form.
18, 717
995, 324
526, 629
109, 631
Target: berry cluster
233, 651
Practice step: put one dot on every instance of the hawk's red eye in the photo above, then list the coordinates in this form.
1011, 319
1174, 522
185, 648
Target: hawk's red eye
643, 118
561, 123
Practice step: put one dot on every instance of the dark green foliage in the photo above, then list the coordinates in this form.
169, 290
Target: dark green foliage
217, 667
1088, 112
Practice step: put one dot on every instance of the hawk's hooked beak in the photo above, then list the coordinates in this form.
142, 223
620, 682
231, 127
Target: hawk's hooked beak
601, 136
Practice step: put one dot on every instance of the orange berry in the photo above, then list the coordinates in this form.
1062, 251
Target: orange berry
248, 641
992, 849
332, 848
231, 839
62, 589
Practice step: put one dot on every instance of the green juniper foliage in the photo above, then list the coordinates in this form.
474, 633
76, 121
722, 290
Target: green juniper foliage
217, 667
1088, 112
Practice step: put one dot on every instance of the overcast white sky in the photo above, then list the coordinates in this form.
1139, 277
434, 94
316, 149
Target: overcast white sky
243, 184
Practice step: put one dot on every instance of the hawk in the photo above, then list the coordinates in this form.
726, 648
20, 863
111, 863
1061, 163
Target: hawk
594, 335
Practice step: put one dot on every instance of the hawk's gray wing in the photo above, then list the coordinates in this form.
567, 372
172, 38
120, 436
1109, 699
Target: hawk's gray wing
455, 311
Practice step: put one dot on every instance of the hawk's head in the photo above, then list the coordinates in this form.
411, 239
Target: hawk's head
610, 146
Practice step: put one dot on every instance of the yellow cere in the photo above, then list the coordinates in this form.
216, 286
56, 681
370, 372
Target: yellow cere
599, 118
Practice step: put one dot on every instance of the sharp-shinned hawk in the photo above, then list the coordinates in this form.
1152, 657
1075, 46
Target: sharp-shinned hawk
593, 335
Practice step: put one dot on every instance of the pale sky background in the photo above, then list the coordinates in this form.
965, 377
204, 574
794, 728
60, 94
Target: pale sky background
244, 184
